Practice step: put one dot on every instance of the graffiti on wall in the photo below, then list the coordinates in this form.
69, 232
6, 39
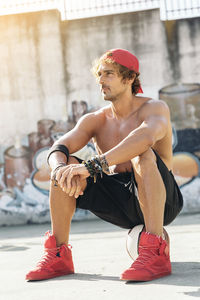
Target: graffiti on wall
25, 174
183, 100
186, 163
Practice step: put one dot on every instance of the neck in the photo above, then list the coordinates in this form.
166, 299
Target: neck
123, 107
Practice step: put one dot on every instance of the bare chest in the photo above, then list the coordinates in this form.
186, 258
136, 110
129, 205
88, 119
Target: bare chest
112, 133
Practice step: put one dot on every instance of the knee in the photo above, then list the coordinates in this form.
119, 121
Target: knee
144, 161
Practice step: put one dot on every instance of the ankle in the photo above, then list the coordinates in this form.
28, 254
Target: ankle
59, 244
60, 241
159, 233
162, 235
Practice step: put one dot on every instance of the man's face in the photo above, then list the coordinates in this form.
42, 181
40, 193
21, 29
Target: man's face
111, 84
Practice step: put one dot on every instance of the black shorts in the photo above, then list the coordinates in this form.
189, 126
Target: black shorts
113, 198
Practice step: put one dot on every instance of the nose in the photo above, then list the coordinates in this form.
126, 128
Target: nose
101, 79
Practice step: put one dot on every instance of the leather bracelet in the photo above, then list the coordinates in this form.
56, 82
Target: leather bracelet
60, 148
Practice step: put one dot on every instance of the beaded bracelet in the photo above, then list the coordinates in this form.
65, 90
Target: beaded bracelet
97, 165
104, 163
94, 167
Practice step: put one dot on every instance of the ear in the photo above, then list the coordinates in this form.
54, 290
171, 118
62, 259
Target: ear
132, 79
129, 80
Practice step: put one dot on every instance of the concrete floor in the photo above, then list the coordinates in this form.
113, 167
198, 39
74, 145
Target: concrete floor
99, 257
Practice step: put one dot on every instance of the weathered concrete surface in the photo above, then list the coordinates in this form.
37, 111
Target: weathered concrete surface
32, 72
45, 63
142, 33
99, 256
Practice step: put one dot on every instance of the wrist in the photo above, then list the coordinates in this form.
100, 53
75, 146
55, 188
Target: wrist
86, 170
93, 167
59, 165
104, 163
54, 171
97, 165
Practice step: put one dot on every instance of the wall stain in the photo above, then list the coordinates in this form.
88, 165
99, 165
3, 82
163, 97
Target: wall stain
7, 23
194, 28
63, 37
171, 28
33, 32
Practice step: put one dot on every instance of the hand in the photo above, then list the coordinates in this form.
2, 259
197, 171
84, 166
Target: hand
69, 178
75, 187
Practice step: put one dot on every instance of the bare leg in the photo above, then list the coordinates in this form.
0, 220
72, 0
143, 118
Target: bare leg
151, 191
62, 208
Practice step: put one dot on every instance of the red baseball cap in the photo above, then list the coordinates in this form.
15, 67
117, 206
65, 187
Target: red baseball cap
124, 58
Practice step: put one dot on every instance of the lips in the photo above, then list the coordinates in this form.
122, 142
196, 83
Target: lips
104, 88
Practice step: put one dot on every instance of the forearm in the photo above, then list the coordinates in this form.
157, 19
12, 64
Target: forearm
67, 145
56, 158
133, 145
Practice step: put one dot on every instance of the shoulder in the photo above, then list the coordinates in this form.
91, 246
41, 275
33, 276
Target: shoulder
102, 113
152, 106
93, 118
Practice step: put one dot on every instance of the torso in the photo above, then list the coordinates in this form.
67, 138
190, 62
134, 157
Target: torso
111, 132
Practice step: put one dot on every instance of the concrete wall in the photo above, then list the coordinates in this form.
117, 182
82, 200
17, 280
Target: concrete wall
45, 63
142, 33
32, 79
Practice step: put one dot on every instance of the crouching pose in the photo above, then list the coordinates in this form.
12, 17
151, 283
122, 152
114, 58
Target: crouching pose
129, 182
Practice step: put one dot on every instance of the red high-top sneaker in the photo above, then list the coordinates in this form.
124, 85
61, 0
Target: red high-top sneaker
56, 261
153, 260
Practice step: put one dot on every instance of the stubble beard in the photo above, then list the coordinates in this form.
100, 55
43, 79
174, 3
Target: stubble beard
110, 98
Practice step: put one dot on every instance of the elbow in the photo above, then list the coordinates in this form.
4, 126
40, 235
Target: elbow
150, 140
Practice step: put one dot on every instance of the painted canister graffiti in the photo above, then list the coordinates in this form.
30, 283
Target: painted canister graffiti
184, 103
17, 166
183, 100
44, 131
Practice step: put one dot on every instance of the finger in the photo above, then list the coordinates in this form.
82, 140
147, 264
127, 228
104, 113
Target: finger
63, 176
78, 191
68, 180
73, 187
59, 172
64, 188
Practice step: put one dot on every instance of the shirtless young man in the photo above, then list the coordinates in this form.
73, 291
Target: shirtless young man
133, 137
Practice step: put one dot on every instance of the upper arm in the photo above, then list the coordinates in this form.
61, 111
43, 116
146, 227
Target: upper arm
81, 134
155, 118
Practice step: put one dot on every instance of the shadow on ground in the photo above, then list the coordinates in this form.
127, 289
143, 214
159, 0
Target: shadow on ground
12, 248
184, 274
193, 294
